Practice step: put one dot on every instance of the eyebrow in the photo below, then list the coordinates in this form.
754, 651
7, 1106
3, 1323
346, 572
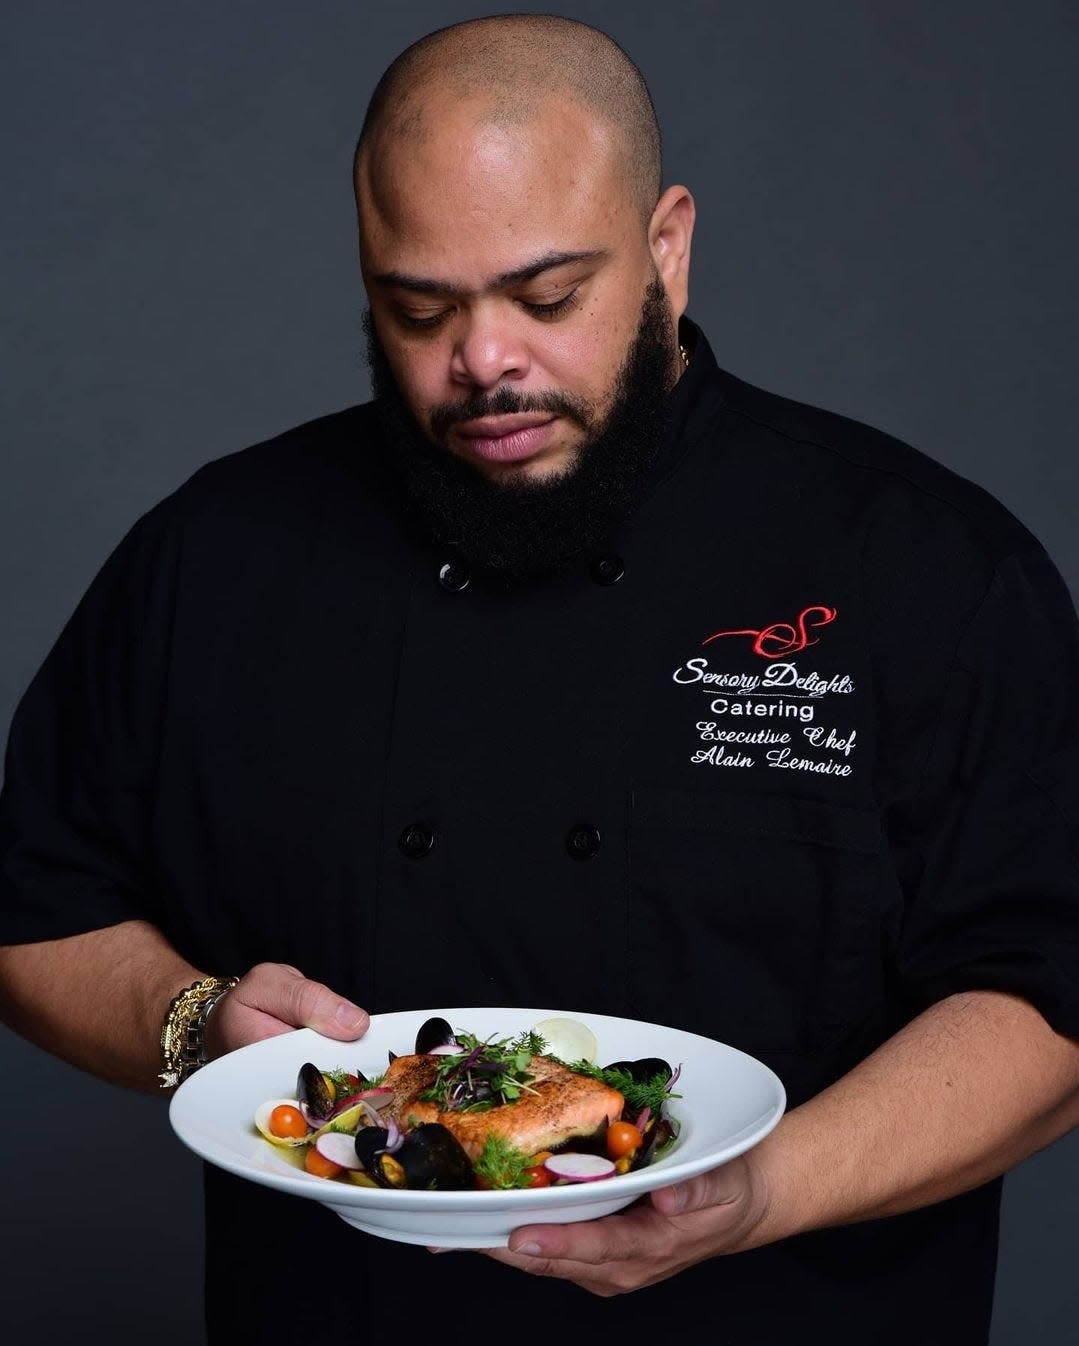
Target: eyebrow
425, 285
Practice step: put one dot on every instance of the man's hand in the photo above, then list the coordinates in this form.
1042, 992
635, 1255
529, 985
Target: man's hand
973, 1085
273, 998
656, 1238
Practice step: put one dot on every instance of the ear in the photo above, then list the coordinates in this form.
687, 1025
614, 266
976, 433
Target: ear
670, 233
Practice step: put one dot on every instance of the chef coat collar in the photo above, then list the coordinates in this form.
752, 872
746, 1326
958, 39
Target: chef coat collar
691, 406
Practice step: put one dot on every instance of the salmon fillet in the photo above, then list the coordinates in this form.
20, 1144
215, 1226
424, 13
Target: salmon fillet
565, 1105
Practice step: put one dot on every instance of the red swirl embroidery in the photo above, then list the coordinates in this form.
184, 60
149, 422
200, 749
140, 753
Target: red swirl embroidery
774, 641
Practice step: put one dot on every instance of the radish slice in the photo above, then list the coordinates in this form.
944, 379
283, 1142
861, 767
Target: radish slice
579, 1167
568, 1039
338, 1149
447, 1049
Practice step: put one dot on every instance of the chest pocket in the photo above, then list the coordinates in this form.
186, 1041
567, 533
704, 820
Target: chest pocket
753, 918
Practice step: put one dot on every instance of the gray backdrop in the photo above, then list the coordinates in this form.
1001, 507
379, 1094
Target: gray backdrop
888, 216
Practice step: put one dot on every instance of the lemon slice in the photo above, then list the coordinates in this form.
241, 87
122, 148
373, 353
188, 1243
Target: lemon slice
569, 1040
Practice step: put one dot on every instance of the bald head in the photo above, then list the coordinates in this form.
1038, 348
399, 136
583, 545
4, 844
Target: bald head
509, 69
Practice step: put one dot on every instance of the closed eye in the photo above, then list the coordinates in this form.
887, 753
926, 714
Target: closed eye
553, 310
545, 312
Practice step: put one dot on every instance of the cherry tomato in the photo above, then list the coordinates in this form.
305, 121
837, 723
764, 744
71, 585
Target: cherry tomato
287, 1121
320, 1167
538, 1176
623, 1138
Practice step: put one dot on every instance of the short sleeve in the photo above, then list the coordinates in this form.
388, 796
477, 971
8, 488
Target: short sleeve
997, 901
81, 754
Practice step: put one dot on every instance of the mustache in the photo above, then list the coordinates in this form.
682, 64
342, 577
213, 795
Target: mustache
506, 402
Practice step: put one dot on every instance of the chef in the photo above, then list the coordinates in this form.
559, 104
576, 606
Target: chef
573, 671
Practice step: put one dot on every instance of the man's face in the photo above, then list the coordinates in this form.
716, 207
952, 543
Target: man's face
505, 266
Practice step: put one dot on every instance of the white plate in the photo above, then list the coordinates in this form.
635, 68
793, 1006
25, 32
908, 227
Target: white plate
729, 1102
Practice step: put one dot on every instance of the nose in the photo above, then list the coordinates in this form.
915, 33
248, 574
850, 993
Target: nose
487, 351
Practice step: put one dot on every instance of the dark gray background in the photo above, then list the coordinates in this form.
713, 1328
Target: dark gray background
888, 216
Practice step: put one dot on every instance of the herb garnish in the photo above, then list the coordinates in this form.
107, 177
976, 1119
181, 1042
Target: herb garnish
484, 1075
500, 1165
342, 1085
639, 1094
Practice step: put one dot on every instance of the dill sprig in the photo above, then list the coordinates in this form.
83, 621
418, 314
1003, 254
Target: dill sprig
639, 1094
501, 1165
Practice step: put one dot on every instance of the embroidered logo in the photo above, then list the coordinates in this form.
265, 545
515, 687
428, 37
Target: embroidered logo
781, 638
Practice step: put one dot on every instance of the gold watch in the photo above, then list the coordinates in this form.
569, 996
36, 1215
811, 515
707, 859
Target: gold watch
183, 1034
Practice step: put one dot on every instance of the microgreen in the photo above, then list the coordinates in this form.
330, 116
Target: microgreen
482, 1075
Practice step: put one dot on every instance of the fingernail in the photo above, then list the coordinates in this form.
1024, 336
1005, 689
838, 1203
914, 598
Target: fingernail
674, 1198
349, 1017
527, 1249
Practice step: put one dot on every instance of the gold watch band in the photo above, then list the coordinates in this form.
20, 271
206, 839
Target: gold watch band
183, 1034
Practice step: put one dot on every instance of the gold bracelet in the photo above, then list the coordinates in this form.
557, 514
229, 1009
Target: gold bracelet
183, 1034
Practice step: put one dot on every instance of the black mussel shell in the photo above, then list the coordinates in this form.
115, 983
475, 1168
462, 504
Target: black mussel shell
659, 1135
312, 1090
432, 1158
647, 1068
434, 1033
369, 1140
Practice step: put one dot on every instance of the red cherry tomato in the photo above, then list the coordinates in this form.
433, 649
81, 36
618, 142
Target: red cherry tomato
623, 1139
320, 1167
538, 1176
287, 1121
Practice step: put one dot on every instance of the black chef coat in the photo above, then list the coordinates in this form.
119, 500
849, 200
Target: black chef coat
791, 760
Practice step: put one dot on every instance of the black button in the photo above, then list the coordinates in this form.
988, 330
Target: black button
416, 841
583, 842
454, 576
608, 569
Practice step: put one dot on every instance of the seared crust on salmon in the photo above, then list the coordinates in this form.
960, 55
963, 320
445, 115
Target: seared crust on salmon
564, 1105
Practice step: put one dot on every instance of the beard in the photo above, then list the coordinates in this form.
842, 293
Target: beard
518, 529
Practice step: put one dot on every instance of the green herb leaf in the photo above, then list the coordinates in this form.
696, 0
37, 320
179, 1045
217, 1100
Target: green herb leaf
502, 1166
639, 1094
481, 1075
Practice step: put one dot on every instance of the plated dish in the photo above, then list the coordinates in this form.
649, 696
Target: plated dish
729, 1102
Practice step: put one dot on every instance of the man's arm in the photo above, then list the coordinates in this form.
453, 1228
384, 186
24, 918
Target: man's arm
99, 1000
972, 1086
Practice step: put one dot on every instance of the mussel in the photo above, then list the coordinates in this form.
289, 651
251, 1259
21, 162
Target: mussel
370, 1141
315, 1096
429, 1158
647, 1068
433, 1034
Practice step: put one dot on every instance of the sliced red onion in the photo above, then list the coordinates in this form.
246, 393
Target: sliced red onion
338, 1149
394, 1136
579, 1167
377, 1097
674, 1078
642, 1120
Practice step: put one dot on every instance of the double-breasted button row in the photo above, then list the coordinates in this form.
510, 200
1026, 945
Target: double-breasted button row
418, 840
